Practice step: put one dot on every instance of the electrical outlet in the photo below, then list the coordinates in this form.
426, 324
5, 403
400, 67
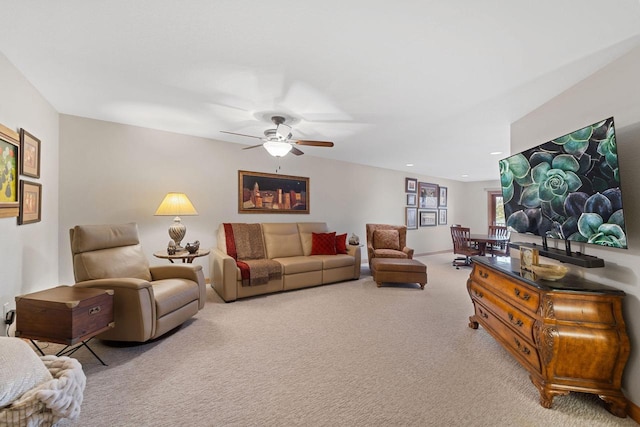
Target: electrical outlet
5, 310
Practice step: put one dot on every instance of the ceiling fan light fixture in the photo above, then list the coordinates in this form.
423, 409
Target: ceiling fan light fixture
277, 148
283, 132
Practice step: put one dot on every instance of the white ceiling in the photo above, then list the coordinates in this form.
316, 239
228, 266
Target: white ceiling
434, 83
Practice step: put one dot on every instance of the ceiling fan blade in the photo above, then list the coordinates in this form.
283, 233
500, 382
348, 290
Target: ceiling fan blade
253, 146
315, 143
295, 151
241, 134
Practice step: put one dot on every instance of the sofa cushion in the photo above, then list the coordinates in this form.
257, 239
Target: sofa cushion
341, 243
300, 264
306, 229
281, 240
323, 243
335, 261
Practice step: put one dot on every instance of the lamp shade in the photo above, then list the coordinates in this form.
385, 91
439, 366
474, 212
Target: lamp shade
176, 204
277, 149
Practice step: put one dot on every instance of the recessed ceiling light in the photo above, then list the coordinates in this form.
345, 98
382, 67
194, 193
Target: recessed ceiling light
409, 164
465, 175
495, 153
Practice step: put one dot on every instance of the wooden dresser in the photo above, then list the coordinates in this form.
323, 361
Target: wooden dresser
570, 334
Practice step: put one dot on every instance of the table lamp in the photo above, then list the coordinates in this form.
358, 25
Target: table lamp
176, 204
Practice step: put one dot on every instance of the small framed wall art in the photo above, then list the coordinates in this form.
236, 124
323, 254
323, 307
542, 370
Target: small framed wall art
411, 218
442, 217
29, 154
428, 218
410, 185
412, 200
30, 202
442, 197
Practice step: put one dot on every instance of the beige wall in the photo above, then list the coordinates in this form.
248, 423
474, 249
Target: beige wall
29, 253
613, 91
119, 173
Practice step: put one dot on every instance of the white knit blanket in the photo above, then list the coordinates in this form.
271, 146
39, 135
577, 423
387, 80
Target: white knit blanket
62, 395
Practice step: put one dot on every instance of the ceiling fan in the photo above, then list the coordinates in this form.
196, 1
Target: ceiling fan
278, 141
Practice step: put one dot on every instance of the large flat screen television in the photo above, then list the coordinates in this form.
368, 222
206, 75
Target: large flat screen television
567, 188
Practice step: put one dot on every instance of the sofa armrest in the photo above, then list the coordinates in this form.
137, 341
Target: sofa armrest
134, 308
191, 272
408, 251
225, 275
355, 252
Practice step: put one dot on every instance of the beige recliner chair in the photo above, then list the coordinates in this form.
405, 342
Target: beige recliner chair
387, 241
148, 301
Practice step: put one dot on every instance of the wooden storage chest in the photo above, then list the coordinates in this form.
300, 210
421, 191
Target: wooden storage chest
64, 315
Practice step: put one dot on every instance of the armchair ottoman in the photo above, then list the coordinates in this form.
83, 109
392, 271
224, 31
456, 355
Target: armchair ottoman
398, 270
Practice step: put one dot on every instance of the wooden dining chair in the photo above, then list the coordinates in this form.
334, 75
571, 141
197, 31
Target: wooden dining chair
462, 245
502, 248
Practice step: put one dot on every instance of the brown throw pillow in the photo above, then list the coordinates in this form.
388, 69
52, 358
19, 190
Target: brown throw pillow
386, 239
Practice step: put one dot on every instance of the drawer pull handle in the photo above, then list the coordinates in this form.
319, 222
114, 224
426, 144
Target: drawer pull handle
483, 314
521, 347
95, 310
516, 322
478, 293
483, 274
525, 296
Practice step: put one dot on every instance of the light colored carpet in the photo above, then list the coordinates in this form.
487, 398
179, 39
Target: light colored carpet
347, 354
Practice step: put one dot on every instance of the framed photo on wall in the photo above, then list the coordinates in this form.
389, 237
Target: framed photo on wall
410, 185
30, 202
428, 218
427, 195
412, 200
29, 154
442, 197
411, 218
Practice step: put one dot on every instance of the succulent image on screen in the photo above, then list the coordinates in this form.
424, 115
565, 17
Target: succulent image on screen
567, 188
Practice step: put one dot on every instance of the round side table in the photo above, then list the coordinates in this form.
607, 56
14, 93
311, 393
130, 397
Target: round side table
183, 255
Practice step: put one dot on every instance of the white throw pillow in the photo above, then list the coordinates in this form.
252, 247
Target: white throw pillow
20, 369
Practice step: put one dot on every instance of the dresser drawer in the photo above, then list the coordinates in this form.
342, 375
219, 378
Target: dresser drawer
510, 315
525, 296
522, 349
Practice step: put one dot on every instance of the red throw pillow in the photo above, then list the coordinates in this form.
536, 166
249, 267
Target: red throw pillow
341, 243
323, 243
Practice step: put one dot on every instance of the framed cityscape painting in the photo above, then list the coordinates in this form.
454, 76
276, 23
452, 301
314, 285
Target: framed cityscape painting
272, 193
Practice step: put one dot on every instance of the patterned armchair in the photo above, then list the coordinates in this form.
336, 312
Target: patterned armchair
387, 241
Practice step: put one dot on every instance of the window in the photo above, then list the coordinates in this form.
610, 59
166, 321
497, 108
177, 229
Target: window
496, 208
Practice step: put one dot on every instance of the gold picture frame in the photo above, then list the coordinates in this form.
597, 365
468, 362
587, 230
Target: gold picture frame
9, 171
272, 193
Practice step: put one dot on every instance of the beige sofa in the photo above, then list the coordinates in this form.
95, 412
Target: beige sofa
290, 245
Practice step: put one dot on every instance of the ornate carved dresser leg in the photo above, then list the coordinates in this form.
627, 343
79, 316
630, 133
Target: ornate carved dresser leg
616, 405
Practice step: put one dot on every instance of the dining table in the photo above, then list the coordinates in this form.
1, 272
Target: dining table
483, 240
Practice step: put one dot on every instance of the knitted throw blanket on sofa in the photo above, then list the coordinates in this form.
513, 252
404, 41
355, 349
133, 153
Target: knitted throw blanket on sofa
245, 245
